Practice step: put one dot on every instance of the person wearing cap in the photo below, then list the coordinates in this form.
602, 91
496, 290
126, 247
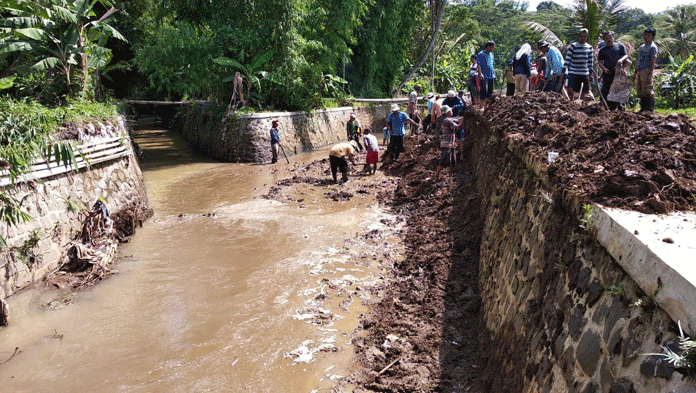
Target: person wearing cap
353, 130
578, 62
413, 107
337, 159
454, 102
275, 141
554, 65
611, 59
486, 62
396, 121
509, 75
448, 140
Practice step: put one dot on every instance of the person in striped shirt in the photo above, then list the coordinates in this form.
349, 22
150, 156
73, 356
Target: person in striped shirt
578, 62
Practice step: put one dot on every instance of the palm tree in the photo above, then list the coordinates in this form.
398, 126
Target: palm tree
680, 23
594, 15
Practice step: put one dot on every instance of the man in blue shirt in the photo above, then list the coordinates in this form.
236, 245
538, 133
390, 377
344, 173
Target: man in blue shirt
554, 65
485, 60
396, 121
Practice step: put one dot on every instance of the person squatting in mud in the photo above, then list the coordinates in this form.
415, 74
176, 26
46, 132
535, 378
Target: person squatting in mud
396, 121
372, 147
353, 130
337, 159
448, 143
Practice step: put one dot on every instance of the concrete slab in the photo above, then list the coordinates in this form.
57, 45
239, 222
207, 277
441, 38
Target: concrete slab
658, 252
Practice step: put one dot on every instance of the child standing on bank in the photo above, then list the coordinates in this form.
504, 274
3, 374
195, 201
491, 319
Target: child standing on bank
643, 76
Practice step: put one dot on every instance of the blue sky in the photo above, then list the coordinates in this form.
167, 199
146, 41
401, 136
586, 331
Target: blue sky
649, 6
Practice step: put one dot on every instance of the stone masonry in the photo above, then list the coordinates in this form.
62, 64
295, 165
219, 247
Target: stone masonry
246, 138
57, 205
561, 314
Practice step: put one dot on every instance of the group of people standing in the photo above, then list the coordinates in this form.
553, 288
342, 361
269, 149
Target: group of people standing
571, 74
574, 73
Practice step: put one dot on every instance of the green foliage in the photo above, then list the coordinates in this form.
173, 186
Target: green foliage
679, 80
683, 359
252, 72
678, 27
587, 210
29, 130
178, 62
57, 36
383, 42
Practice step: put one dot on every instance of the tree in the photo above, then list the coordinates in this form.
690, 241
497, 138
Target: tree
57, 34
548, 6
597, 16
679, 26
440, 9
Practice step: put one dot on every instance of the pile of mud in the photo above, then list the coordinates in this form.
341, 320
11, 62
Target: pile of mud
422, 334
644, 162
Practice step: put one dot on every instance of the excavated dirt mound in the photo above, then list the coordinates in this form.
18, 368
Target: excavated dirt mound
644, 162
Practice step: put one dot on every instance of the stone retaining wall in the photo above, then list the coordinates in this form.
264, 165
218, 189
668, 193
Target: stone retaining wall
561, 313
246, 138
57, 205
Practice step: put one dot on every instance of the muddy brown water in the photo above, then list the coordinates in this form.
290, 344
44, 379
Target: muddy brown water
215, 293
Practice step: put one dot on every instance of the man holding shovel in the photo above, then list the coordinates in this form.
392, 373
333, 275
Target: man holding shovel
578, 62
275, 141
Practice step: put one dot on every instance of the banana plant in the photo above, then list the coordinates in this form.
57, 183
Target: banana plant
252, 72
55, 34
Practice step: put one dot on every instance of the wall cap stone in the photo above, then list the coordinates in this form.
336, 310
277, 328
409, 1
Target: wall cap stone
665, 271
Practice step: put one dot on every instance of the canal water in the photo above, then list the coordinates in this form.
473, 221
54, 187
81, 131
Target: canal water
222, 290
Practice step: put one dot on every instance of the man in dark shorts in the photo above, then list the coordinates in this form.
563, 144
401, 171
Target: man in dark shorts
396, 121
337, 158
578, 62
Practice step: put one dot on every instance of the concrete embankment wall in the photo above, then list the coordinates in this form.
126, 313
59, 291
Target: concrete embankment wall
246, 137
59, 198
562, 314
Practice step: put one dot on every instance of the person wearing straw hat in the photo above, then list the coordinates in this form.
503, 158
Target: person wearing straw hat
448, 141
396, 121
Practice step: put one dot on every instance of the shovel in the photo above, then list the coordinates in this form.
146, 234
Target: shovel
284, 155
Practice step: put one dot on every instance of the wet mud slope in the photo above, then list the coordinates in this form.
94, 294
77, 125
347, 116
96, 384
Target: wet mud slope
422, 336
